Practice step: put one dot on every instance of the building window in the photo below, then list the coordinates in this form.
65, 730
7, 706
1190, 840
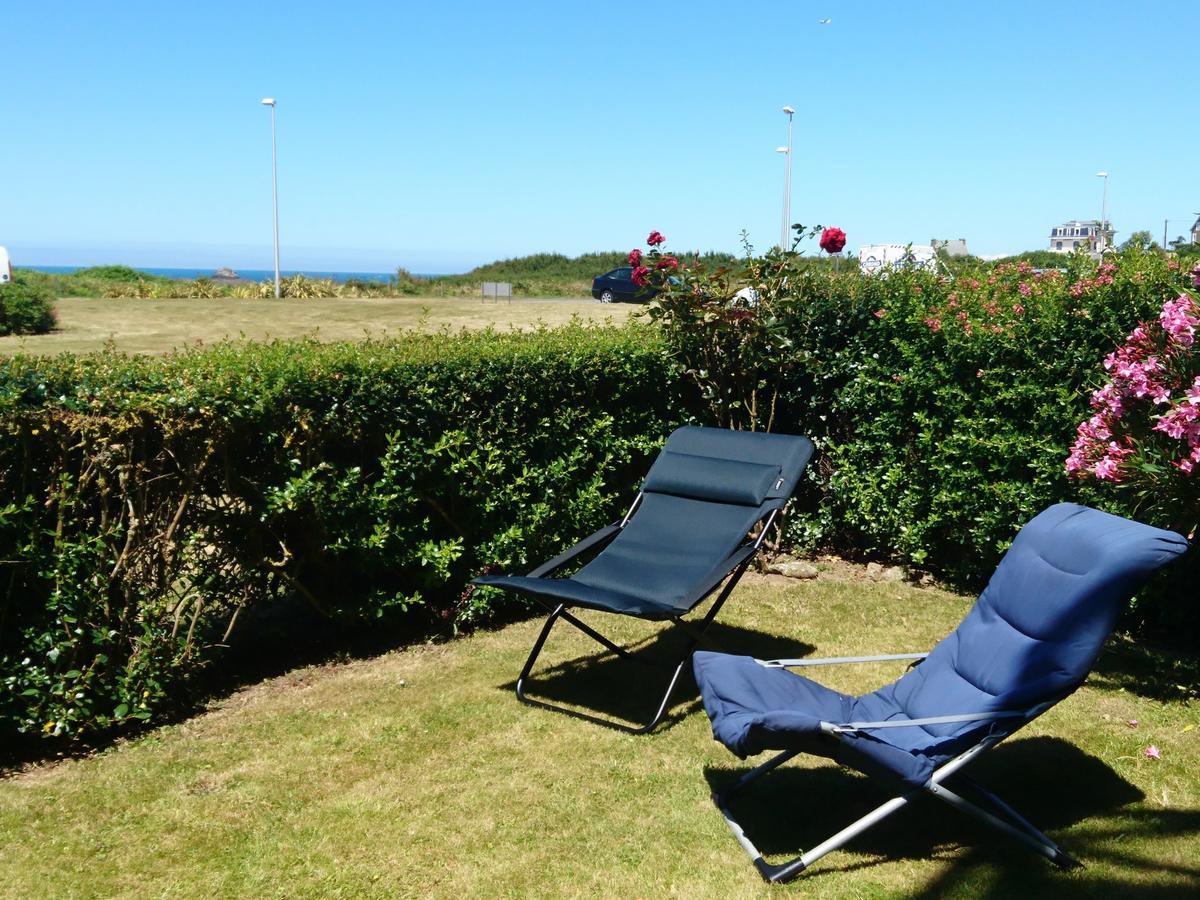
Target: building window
1059, 247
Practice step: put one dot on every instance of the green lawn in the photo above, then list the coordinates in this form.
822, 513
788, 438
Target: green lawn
156, 326
417, 773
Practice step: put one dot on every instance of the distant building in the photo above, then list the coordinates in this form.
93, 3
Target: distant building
1068, 237
1196, 232
956, 247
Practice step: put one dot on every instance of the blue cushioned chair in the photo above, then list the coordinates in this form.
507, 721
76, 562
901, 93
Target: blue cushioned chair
689, 529
1029, 641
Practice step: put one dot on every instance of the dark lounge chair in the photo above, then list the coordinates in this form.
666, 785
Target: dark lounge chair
1029, 642
701, 514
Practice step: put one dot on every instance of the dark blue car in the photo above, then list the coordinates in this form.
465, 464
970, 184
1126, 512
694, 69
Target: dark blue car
618, 285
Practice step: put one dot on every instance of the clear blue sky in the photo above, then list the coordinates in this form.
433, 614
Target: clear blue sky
440, 135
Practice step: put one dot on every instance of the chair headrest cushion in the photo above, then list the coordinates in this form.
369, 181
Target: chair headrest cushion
711, 478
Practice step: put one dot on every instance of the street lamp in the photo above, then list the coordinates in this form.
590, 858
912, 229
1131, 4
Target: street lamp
1103, 244
270, 101
787, 182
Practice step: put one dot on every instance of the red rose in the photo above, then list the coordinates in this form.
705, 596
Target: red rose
639, 275
667, 262
635, 257
655, 239
833, 240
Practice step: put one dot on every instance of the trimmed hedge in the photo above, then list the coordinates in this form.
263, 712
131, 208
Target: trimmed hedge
945, 407
145, 502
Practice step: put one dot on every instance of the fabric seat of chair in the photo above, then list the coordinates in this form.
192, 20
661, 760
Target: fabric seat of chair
754, 709
1029, 640
575, 593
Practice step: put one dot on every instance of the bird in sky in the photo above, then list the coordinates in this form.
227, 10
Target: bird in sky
824, 21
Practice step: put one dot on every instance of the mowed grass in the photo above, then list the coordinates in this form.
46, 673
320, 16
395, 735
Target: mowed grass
156, 326
418, 773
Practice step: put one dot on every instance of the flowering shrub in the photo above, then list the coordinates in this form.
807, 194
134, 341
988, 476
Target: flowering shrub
722, 327
943, 405
1144, 433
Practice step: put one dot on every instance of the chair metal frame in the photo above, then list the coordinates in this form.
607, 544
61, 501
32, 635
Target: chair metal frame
1000, 816
730, 572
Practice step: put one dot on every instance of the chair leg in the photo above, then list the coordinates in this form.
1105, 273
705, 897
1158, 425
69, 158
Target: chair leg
1014, 824
560, 612
784, 872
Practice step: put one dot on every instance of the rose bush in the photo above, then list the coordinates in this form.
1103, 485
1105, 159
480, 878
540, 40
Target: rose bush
722, 328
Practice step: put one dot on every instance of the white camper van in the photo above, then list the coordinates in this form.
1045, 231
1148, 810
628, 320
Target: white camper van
5, 267
879, 257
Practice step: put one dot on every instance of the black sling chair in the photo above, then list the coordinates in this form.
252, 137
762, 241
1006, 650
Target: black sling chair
689, 529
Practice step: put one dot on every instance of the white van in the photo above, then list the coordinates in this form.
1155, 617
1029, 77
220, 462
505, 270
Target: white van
880, 257
5, 267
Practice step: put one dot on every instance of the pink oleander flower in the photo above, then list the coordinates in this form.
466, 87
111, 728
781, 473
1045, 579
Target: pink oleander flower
1179, 320
639, 275
655, 239
635, 257
667, 262
880, 313
1025, 289
1152, 752
1018, 309
934, 323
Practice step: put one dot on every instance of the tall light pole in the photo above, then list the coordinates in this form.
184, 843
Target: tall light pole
784, 243
1103, 244
270, 101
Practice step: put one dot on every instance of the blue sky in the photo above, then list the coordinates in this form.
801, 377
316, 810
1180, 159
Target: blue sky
440, 135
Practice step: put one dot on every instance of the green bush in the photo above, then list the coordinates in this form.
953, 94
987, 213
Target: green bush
25, 308
145, 502
944, 406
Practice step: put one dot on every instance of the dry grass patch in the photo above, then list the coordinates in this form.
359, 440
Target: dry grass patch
156, 326
418, 774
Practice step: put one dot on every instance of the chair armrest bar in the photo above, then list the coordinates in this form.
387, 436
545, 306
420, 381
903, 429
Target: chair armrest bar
604, 534
834, 660
849, 727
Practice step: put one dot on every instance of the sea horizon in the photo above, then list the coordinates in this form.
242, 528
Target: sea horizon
190, 274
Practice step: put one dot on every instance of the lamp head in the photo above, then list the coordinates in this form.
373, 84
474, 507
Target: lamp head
781, 149
268, 101
788, 110
1101, 174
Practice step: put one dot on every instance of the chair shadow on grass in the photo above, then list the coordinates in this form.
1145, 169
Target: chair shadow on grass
1053, 783
600, 683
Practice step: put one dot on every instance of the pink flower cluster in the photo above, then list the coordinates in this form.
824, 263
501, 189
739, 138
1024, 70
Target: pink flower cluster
1182, 422
1144, 372
1178, 320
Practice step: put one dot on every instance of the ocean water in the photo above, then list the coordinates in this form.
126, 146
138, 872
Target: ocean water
248, 274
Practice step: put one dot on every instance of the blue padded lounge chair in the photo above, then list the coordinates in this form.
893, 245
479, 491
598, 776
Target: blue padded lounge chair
1029, 641
691, 527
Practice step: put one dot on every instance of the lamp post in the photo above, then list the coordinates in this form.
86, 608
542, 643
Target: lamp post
270, 101
787, 181
1103, 243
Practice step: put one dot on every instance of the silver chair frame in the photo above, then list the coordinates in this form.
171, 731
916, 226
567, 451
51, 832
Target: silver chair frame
1001, 816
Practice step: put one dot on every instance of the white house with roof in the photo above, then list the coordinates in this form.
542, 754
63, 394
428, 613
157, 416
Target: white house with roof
1069, 236
1196, 232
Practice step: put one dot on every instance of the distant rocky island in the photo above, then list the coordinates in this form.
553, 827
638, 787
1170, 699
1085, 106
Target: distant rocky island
226, 274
